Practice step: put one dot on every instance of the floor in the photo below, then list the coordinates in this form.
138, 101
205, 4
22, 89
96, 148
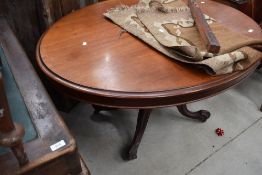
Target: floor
172, 144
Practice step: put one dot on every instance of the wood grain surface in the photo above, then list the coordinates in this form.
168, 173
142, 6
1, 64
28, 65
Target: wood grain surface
208, 37
85, 56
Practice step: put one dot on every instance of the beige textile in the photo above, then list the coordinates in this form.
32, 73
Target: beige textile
168, 26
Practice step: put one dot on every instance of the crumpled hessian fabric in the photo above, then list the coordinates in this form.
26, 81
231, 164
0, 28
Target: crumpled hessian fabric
168, 26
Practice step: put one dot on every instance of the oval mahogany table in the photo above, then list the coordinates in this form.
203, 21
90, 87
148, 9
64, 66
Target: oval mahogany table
86, 56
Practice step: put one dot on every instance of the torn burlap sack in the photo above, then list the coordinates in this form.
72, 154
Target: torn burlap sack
168, 26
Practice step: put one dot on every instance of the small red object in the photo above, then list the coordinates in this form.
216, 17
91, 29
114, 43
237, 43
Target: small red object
219, 132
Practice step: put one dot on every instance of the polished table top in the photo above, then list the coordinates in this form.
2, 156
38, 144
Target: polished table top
85, 54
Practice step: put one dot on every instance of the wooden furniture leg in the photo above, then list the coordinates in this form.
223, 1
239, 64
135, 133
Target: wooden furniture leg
13, 139
142, 120
19, 152
201, 115
11, 134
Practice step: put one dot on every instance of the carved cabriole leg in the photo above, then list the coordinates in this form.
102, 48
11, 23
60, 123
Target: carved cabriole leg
201, 115
142, 120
